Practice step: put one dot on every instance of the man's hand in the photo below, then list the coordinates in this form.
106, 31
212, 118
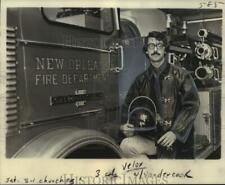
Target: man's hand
127, 129
167, 139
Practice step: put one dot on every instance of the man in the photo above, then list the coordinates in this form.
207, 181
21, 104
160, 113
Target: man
174, 92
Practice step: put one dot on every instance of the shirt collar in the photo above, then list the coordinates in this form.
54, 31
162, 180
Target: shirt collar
158, 71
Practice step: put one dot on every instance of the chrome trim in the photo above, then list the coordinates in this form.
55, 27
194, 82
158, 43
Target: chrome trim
204, 20
77, 114
117, 26
32, 42
118, 69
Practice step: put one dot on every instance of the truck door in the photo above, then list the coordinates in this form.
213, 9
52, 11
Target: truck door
62, 71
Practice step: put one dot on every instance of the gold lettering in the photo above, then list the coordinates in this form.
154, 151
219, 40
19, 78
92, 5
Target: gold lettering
59, 63
54, 79
64, 79
50, 64
78, 64
95, 65
40, 63
71, 64
69, 79
46, 79
37, 79
95, 76
85, 77
92, 65
75, 77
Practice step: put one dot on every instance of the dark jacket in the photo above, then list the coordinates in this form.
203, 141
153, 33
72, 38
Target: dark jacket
176, 99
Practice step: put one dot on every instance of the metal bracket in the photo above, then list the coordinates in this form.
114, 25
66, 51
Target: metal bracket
113, 49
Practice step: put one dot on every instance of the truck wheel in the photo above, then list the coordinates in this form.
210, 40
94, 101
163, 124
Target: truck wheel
70, 143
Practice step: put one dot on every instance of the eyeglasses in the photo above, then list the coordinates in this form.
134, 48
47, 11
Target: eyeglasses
158, 46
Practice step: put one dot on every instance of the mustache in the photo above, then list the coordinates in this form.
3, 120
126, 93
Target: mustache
155, 53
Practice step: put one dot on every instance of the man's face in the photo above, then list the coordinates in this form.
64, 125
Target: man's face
156, 50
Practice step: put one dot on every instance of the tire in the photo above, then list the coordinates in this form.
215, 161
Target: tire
68, 143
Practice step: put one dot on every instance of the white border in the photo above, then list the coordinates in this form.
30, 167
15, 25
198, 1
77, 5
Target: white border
204, 171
